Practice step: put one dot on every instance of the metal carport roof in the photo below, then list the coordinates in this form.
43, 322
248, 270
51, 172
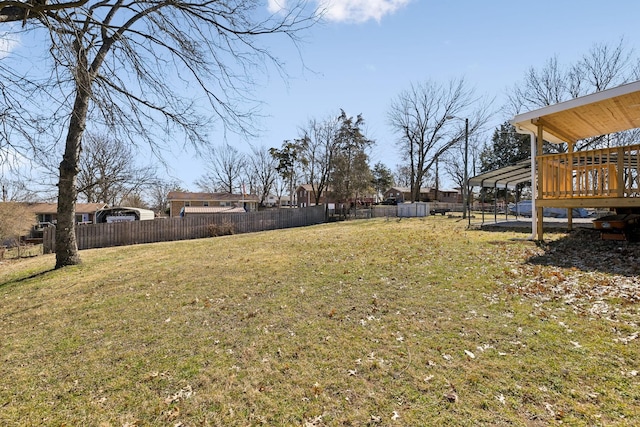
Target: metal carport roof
506, 177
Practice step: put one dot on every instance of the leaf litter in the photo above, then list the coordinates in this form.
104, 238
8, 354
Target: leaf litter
593, 277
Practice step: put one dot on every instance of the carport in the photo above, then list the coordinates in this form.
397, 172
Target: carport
506, 178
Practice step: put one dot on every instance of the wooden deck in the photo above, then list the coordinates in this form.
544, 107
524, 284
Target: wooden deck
594, 178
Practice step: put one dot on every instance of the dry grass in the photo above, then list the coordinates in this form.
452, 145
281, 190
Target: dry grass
417, 322
22, 251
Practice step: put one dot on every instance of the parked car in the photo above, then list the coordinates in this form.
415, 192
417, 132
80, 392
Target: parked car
523, 208
390, 201
441, 211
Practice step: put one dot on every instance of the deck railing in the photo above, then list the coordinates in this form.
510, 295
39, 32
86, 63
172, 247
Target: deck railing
601, 173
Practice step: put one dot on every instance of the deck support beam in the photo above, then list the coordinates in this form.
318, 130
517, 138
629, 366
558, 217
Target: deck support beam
539, 212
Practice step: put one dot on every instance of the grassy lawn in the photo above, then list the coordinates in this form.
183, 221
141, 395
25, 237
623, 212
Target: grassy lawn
361, 323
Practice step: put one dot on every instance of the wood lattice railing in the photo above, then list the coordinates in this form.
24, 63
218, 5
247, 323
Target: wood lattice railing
602, 173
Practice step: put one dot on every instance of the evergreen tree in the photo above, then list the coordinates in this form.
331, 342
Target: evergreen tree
382, 178
351, 174
507, 148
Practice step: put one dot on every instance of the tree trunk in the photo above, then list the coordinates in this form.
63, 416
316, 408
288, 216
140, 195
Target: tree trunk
66, 244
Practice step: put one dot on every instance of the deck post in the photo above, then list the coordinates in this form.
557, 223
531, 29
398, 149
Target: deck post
622, 185
540, 183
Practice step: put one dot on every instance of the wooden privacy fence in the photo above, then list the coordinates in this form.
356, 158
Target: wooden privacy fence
163, 230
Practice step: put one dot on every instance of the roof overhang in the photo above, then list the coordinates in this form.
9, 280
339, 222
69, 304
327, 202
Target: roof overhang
607, 111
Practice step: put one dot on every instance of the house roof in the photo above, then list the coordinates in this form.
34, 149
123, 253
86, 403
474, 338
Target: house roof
408, 190
215, 197
309, 188
506, 177
211, 209
607, 111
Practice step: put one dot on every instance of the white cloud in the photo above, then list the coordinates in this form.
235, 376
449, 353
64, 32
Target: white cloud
358, 10
275, 6
8, 42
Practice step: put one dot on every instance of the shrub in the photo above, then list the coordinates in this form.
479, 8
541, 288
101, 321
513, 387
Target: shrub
15, 221
224, 229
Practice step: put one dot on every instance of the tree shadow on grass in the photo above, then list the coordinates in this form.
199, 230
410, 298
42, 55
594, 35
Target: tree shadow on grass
17, 280
585, 250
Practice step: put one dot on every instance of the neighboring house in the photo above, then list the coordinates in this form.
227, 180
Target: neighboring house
306, 196
427, 194
182, 199
272, 201
403, 194
449, 196
48, 212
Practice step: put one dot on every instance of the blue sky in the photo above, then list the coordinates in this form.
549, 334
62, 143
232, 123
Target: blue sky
366, 52
360, 61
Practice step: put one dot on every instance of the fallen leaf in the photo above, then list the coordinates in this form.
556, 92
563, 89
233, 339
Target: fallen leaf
451, 397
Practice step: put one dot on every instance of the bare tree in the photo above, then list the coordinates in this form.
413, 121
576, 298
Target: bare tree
262, 168
318, 146
602, 67
453, 161
108, 172
225, 166
158, 195
134, 200
546, 86
424, 119
21, 11
130, 67
402, 176
15, 189
280, 186
606, 66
